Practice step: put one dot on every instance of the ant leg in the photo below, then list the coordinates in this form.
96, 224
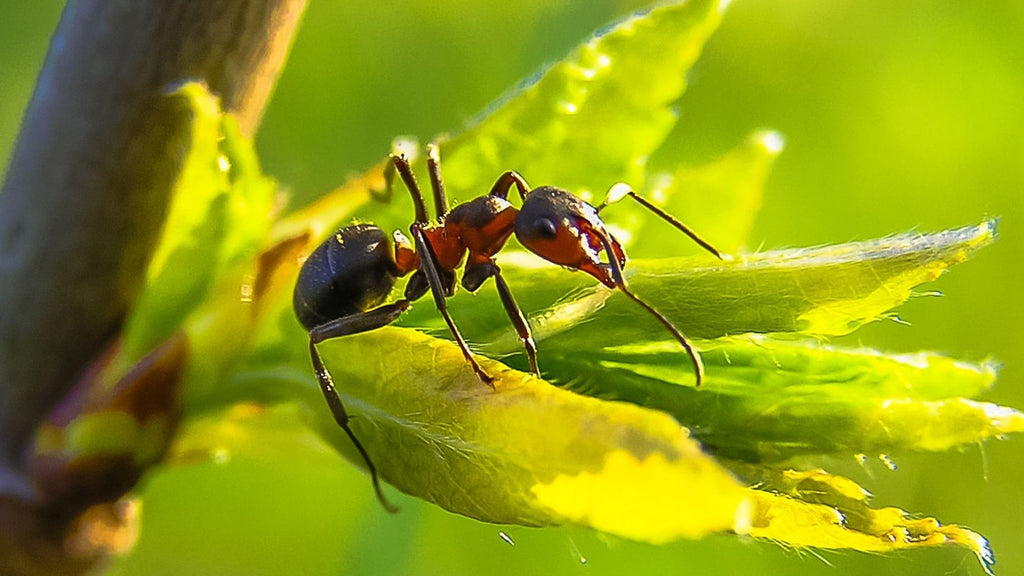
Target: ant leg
428, 263
405, 171
345, 326
436, 183
475, 275
620, 283
358, 323
505, 182
515, 314
620, 190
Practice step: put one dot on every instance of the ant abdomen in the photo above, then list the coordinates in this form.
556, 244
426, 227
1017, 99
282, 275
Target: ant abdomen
350, 273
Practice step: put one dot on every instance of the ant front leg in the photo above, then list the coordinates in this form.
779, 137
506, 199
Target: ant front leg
474, 277
428, 264
401, 164
621, 190
345, 326
436, 182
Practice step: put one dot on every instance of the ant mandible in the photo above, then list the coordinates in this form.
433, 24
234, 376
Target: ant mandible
342, 285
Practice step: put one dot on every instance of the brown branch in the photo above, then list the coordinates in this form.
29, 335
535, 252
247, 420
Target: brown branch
88, 183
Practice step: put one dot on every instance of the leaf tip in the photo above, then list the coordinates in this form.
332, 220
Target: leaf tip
991, 226
771, 142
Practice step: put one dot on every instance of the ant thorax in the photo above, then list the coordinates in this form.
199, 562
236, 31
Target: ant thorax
481, 226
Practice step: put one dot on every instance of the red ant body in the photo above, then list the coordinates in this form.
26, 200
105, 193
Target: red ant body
342, 285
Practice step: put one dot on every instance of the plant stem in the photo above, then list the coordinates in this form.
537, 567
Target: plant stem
88, 184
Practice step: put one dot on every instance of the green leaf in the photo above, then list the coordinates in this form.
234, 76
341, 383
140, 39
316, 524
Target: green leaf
767, 399
594, 118
723, 198
825, 291
719, 200
653, 468
121, 415
524, 452
219, 214
816, 509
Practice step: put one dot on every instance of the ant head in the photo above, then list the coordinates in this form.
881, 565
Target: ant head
565, 230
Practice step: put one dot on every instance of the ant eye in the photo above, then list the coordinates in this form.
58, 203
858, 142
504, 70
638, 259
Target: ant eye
545, 228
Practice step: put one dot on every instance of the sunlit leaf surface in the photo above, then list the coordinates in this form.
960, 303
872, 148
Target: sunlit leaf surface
816, 509
625, 444
220, 212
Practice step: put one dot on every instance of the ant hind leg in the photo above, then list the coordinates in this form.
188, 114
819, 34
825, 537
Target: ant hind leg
345, 326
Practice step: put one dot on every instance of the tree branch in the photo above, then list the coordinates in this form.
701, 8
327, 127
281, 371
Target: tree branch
87, 188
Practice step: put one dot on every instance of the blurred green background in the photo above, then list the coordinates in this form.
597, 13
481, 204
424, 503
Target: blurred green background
897, 116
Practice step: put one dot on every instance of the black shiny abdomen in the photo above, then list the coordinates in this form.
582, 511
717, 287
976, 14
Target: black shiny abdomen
352, 272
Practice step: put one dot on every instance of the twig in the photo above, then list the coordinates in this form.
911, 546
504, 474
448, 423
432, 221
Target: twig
88, 183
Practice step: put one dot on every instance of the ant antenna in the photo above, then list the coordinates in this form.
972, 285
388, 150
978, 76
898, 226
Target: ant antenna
620, 283
698, 364
621, 190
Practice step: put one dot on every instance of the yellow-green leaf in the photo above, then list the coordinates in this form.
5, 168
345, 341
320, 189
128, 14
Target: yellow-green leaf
819, 510
594, 118
524, 452
219, 214
769, 399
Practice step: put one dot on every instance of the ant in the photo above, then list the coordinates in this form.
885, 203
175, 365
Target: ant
342, 285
